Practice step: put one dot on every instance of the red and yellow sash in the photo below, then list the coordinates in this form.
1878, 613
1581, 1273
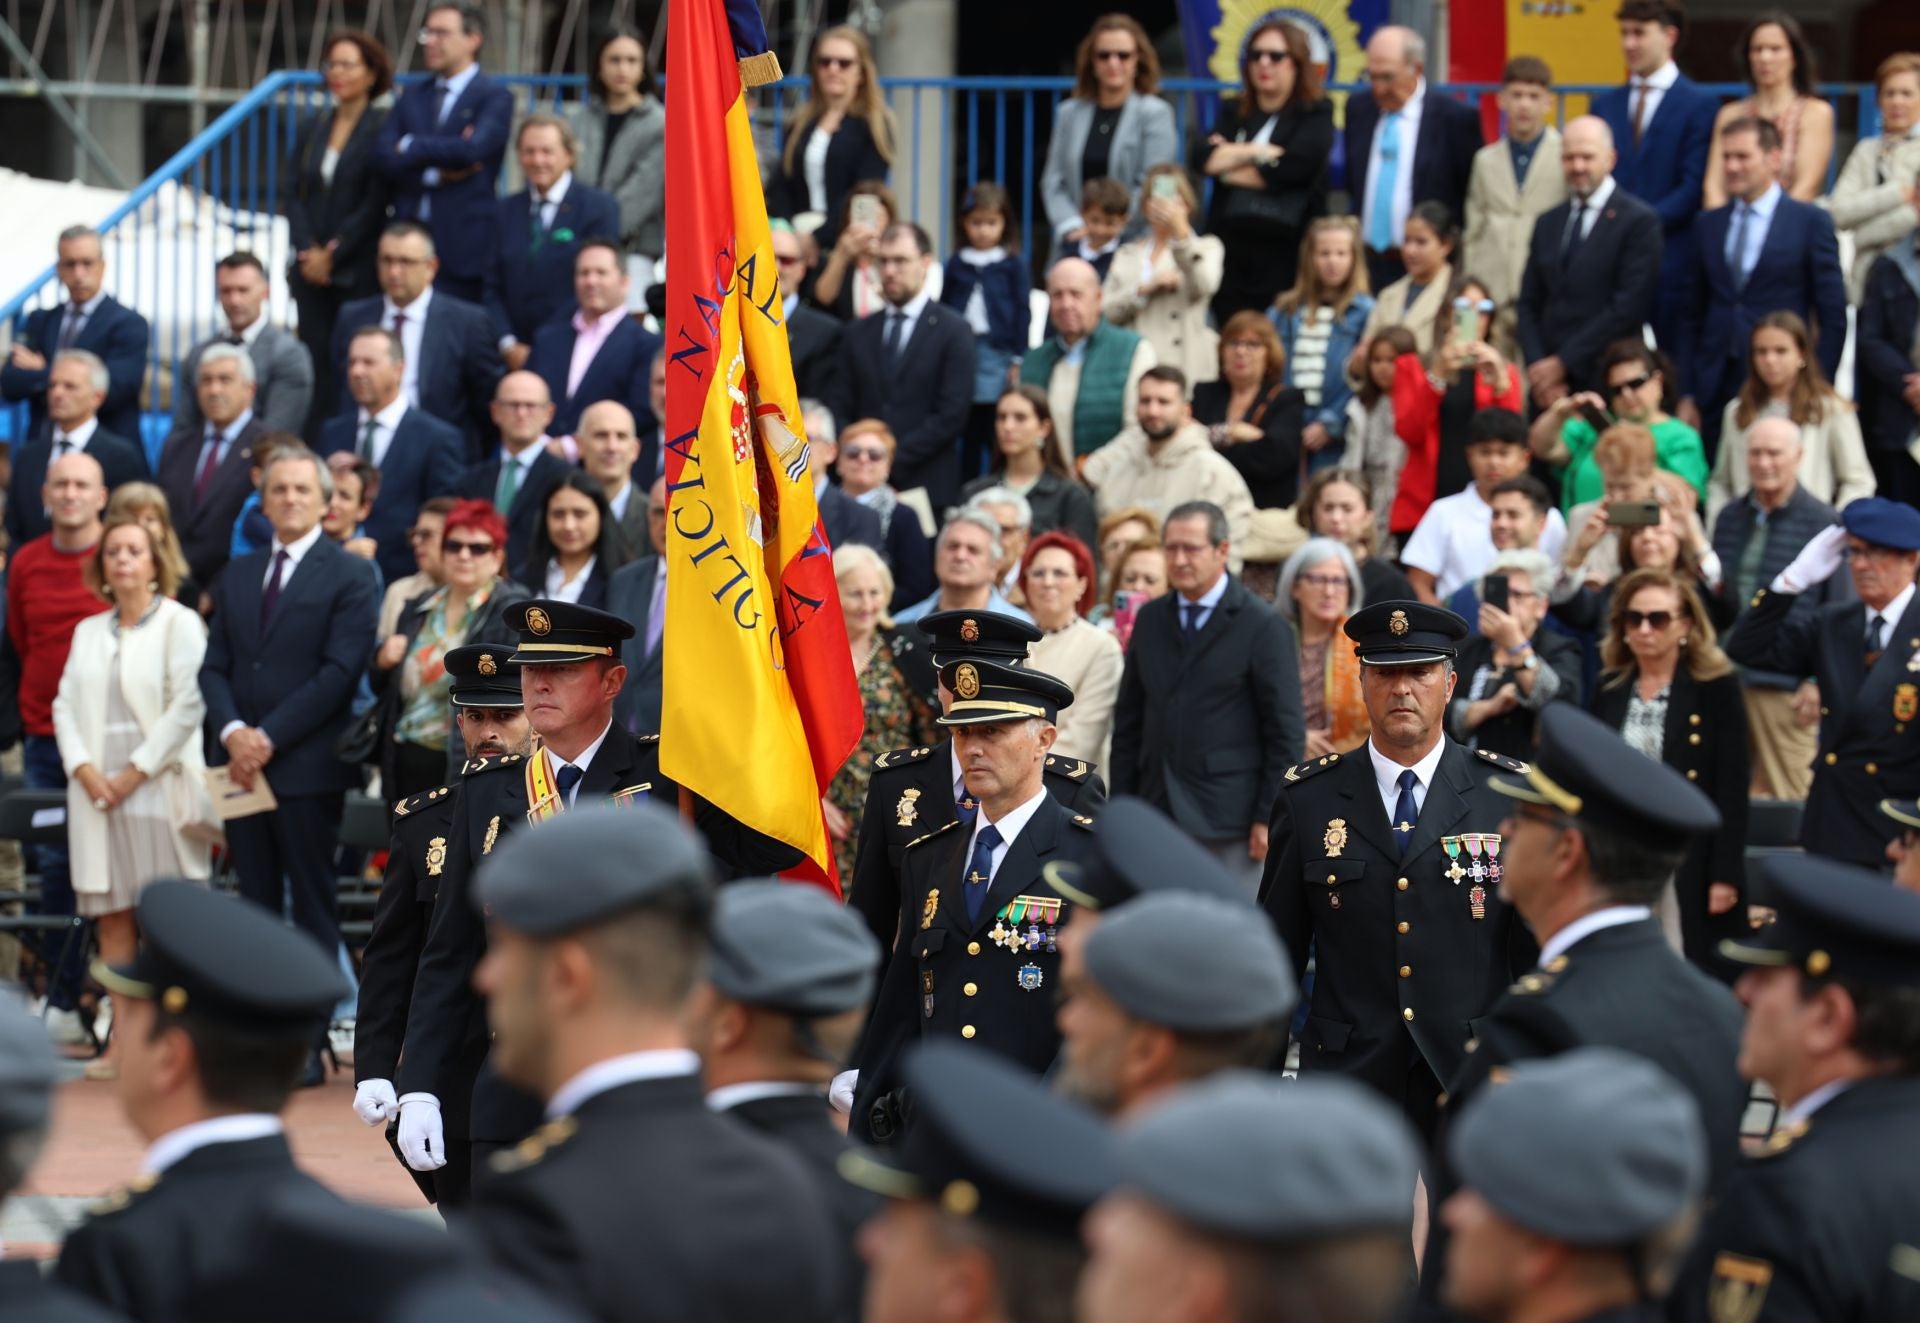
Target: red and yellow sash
543, 796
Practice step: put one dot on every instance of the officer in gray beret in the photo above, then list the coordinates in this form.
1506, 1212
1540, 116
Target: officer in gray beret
1579, 1176
790, 971
1171, 988
598, 930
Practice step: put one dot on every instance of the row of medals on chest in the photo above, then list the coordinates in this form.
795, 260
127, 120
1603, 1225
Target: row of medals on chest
1481, 851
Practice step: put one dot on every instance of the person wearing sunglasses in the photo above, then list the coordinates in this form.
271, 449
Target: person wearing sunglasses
842, 134
1114, 125
1633, 389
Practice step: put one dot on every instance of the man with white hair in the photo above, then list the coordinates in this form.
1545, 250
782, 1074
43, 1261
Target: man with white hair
1404, 147
76, 388
1014, 514
207, 471
1592, 270
1089, 368
966, 562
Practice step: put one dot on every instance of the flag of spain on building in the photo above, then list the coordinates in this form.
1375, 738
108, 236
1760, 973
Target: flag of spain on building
760, 703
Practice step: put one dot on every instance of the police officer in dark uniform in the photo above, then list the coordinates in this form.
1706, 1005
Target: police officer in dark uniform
919, 790
1580, 1179
1825, 1223
979, 954
215, 1015
570, 676
790, 974
484, 687
1387, 863
636, 1200
1865, 655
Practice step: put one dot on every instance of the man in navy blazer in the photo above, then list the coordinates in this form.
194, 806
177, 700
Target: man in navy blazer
1591, 269
76, 385
1662, 124
90, 319
538, 232
207, 471
525, 470
452, 362
911, 366
418, 456
288, 640
442, 146
1431, 163
597, 351
1763, 252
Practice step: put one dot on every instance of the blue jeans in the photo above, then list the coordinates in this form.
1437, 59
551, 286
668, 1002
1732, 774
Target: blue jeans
40, 758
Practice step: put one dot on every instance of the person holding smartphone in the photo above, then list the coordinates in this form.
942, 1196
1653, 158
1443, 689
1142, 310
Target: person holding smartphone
1159, 283
1511, 667
1634, 391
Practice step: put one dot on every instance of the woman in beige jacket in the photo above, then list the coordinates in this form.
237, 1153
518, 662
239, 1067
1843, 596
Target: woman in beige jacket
1159, 285
1874, 195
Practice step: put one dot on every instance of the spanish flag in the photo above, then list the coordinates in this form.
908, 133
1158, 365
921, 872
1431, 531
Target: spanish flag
761, 706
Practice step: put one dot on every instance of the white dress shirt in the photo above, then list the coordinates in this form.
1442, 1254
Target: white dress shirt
1890, 613
1587, 925
410, 332
1656, 85
384, 424
1009, 828
1595, 203
910, 310
295, 552
1813, 1102
583, 762
729, 1096
175, 1145
522, 461
77, 438
604, 1076
1208, 600
1386, 775
562, 589
1454, 540
1410, 115
550, 200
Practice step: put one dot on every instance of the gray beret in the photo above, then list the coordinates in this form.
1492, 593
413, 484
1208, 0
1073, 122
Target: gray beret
791, 948
1193, 962
589, 864
1266, 1159
1595, 1147
28, 1069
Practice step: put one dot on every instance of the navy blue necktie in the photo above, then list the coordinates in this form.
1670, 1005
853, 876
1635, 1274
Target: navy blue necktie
270, 595
979, 878
1404, 812
1191, 628
567, 778
965, 805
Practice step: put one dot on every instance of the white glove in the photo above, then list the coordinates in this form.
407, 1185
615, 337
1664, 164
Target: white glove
422, 1140
840, 1092
1816, 562
373, 1101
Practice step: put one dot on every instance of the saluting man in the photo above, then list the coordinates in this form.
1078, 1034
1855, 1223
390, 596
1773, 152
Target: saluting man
1386, 863
571, 673
919, 790
484, 687
979, 951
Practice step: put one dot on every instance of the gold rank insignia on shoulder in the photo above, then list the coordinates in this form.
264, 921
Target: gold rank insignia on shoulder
1082, 820
1336, 838
436, 855
931, 908
493, 834
535, 1146
906, 812
1739, 1288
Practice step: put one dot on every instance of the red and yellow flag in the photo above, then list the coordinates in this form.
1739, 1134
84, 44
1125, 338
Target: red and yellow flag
760, 702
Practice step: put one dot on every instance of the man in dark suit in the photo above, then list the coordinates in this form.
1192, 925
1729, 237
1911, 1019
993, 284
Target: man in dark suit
518, 479
76, 386
1886, 378
224, 1001
207, 472
1763, 252
635, 1189
911, 366
537, 234
282, 368
1595, 833
451, 362
442, 146
600, 352
291, 632
789, 975
1405, 146
1592, 268
638, 593
1865, 656
1662, 124
1386, 864
1209, 715
418, 456
90, 319
813, 335
610, 453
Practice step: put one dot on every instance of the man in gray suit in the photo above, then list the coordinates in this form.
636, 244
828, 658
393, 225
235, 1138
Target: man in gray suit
609, 450
638, 592
282, 367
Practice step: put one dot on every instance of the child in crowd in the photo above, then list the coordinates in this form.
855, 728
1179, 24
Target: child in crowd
1419, 299
251, 531
1320, 321
987, 283
1104, 209
1515, 179
1373, 448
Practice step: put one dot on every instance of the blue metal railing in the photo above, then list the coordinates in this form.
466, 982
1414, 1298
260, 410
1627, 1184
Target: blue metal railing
221, 191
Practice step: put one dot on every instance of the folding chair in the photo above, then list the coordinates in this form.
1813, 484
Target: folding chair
39, 817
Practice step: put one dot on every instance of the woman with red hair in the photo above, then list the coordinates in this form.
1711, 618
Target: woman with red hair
419, 744
1057, 576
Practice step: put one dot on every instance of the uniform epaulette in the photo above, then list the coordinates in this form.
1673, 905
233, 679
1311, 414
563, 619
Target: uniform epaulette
1076, 768
124, 1196
1532, 985
930, 835
646, 739
535, 1146
1083, 822
1783, 1139
1301, 771
476, 766
1503, 762
901, 757
417, 802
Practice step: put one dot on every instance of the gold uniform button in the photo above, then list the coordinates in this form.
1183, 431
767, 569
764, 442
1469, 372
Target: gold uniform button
1330, 879
973, 948
1826, 712
1407, 1014
1694, 719
1694, 738
971, 989
967, 1031
1832, 758
1402, 884
1403, 927
1692, 774
1406, 971
1873, 769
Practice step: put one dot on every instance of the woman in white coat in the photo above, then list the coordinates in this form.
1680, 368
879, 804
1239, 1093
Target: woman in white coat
1160, 284
127, 719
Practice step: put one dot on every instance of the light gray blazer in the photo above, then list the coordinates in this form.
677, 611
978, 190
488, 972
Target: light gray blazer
283, 382
636, 170
1143, 138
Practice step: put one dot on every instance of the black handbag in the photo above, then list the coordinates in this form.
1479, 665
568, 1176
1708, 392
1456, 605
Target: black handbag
359, 743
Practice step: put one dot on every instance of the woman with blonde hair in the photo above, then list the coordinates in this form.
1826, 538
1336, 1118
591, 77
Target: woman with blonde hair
1159, 284
1874, 195
1115, 125
894, 673
146, 504
865, 466
1320, 321
841, 135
